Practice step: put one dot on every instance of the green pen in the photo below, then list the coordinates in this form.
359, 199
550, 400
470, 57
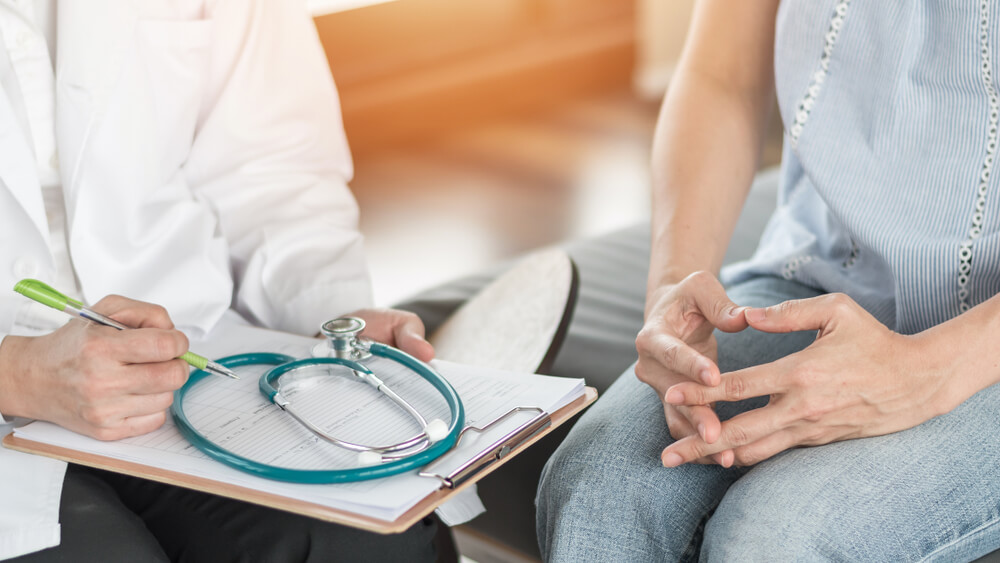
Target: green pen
41, 292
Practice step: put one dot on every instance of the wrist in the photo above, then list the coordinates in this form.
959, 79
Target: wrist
942, 361
675, 256
11, 370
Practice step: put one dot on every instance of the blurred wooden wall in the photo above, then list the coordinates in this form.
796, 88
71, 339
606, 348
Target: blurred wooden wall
411, 68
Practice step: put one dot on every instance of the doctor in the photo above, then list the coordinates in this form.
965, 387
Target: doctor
186, 153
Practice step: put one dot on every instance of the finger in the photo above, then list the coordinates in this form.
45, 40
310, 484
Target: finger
725, 459
738, 431
401, 329
143, 424
670, 458
408, 333
680, 427
714, 304
652, 373
147, 345
144, 405
134, 314
156, 378
756, 381
704, 420
377, 323
677, 423
765, 448
131, 426
675, 355
110, 420
799, 314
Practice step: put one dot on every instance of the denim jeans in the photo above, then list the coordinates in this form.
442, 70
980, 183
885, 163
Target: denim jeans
928, 493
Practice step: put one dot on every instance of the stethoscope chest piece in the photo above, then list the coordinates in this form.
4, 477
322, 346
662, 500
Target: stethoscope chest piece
342, 340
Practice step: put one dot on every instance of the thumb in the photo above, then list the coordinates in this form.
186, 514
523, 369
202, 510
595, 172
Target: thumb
795, 315
714, 304
409, 337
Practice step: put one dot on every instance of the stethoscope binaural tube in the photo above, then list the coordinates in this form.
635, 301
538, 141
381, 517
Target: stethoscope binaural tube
268, 386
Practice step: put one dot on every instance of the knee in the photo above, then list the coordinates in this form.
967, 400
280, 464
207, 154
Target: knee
586, 476
605, 497
762, 529
573, 474
776, 519
583, 508
619, 438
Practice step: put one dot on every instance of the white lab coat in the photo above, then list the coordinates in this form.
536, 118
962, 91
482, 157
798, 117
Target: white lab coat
204, 166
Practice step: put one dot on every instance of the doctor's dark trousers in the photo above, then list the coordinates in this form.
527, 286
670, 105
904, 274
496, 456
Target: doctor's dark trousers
106, 517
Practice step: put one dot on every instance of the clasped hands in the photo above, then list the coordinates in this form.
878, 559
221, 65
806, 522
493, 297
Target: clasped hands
857, 379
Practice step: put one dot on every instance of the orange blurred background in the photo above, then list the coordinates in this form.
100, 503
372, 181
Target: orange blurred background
483, 129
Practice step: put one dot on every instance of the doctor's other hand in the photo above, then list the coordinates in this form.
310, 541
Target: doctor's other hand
857, 379
401, 329
93, 379
677, 344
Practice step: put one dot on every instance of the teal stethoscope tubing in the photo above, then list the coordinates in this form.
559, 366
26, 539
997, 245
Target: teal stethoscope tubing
321, 476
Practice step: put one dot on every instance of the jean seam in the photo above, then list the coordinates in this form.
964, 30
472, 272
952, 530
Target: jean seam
985, 526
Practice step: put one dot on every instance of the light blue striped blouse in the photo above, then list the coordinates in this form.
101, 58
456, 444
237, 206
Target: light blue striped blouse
887, 192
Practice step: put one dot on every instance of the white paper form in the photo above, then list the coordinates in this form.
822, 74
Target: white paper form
235, 414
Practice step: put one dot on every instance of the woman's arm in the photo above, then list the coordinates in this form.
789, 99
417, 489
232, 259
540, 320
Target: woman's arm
704, 156
709, 135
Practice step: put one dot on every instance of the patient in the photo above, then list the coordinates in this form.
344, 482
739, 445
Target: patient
865, 324
201, 165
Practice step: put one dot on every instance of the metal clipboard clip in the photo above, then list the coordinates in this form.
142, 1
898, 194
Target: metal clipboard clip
493, 453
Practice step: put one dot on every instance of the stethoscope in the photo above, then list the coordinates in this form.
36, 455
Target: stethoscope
343, 348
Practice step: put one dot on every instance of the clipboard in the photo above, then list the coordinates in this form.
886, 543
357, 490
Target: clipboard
489, 459
542, 288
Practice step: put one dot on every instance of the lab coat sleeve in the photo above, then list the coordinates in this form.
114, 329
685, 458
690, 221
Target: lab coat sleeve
2, 419
271, 158
30, 488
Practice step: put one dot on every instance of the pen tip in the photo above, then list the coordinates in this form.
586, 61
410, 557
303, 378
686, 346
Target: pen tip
222, 370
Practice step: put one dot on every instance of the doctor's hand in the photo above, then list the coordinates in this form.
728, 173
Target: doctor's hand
401, 329
93, 379
677, 345
857, 379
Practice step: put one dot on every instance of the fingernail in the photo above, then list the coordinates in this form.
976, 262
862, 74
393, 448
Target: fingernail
755, 315
735, 311
671, 460
706, 376
727, 459
701, 431
675, 397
